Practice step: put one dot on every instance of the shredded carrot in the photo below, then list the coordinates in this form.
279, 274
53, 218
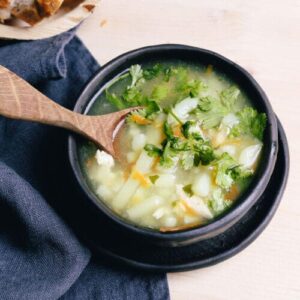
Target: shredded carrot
156, 161
232, 193
209, 70
141, 178
177, 131
176, 228
158, 125
140, 120
89, 162
189, 210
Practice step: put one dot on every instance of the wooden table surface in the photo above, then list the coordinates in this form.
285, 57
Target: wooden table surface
263, 37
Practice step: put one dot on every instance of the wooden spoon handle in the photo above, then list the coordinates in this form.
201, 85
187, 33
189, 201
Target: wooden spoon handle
19, 100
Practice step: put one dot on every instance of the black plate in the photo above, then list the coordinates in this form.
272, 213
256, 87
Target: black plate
208, 252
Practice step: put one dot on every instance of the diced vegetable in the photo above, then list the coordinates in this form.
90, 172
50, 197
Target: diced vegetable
138, 142
249, 155
202, 185
144, 208
188, 151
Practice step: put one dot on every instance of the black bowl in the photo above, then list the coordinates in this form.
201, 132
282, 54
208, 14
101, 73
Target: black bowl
195, 56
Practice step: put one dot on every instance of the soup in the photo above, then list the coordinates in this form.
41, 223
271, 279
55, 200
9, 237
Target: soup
186, 156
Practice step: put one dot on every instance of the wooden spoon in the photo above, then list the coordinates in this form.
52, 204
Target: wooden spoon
20, 100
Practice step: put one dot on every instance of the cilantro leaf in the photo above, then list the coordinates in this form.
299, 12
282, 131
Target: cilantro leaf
190, 88
205, 153
229, 96
168, 131
187, 160
225, 164
133, 97
205, 103
153, 72
160, 92
151, 109
114, 100
210, 112
152, 150
136, 73
251, 122
168, 72
229, 171
168, 158
190, 130
217, 203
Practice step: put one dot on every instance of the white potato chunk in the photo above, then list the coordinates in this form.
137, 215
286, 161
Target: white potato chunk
165, 180
138, 142
198, 205
133, 130
143, 165
160, 212
104, 192
102, 175
230, 120
190, 219
194, 202
169, 221
125, 193
183, 108
144, 208
153, 135
201, 185
249, 155
104, 159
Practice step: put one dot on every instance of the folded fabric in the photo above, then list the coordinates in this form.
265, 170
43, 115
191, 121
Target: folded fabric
41, 256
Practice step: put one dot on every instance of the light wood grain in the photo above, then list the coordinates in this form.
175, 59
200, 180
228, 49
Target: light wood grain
264, 37
56, 24
20, 100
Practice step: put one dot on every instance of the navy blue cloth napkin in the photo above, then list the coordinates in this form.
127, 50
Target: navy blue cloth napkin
41, 256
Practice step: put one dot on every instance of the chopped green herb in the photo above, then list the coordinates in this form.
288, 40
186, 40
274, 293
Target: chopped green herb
188, 189
168, 158
191, 130
115, 100
190, 88
229, 171
136, 73
205, 104
153, 178
229, 96
153, 72
152, 150
251, 122
168, 131
160, 92
167, 74
187, 160
217, 203
133, 97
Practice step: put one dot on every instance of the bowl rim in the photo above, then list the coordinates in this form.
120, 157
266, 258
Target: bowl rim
225, 220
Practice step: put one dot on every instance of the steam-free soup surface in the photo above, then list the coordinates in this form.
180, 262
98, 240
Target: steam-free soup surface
186, 157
